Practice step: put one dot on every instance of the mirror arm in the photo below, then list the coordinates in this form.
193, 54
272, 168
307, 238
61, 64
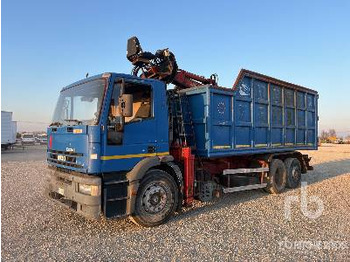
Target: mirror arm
120, 126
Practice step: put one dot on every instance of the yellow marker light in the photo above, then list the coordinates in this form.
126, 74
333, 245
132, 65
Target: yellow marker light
78, 131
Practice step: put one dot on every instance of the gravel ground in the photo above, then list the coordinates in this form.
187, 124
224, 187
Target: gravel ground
241, 226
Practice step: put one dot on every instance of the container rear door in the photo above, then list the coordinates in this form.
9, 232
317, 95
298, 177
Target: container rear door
306, 119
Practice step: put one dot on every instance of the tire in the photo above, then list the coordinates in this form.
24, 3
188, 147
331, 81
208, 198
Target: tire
156, 200
277, 178
293, 172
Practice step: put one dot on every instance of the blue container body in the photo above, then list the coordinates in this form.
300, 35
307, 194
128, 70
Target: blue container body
259, 115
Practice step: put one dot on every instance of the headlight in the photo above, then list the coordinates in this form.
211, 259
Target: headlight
89, 190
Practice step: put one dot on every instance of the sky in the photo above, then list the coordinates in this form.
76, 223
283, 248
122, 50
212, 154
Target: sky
47, 45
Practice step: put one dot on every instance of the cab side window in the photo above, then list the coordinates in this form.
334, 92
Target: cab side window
142, 110
142, 102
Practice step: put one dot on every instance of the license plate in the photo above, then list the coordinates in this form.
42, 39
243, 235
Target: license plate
61, 158
61, 191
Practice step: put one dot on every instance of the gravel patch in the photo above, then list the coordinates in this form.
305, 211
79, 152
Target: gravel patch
241, 226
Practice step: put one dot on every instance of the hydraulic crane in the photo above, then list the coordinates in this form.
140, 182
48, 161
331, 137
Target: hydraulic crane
163, 66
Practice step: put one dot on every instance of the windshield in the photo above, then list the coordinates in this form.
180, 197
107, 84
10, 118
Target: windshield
80, 104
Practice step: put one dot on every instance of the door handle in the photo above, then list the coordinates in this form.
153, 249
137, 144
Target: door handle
151, 149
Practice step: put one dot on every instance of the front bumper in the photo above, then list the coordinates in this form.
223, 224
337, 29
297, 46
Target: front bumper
64, 189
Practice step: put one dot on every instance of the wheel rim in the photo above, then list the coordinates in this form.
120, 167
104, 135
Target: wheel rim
155, 198
295, 172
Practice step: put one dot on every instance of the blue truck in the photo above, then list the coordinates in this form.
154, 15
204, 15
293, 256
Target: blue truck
125, 145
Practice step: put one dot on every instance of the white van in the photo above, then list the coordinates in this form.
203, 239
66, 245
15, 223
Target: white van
28, 138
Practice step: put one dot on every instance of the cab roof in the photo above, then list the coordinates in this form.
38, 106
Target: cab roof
106, 75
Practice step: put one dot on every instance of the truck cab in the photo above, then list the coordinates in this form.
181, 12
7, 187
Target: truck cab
94, 144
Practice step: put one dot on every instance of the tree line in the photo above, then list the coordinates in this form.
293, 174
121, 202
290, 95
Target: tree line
330, 136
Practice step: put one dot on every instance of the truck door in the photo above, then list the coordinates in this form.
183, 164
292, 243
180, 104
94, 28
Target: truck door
123, 148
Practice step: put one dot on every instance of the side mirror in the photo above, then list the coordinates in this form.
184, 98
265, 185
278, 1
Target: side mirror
125, 105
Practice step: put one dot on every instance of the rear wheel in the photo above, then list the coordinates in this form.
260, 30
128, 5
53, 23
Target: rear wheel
293, 172
277, 178
156, 200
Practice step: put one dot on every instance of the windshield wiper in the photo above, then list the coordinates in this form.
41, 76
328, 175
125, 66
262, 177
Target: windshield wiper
56, 124
74, 120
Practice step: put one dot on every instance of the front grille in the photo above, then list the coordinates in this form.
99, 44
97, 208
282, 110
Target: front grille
65, 152
70, 158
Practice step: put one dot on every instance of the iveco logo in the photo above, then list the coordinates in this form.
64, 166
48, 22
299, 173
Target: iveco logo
69, 149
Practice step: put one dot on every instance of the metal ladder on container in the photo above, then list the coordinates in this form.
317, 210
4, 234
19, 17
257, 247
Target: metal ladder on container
173, 122
182, 121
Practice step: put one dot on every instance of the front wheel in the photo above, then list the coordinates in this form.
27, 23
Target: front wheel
156, 200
